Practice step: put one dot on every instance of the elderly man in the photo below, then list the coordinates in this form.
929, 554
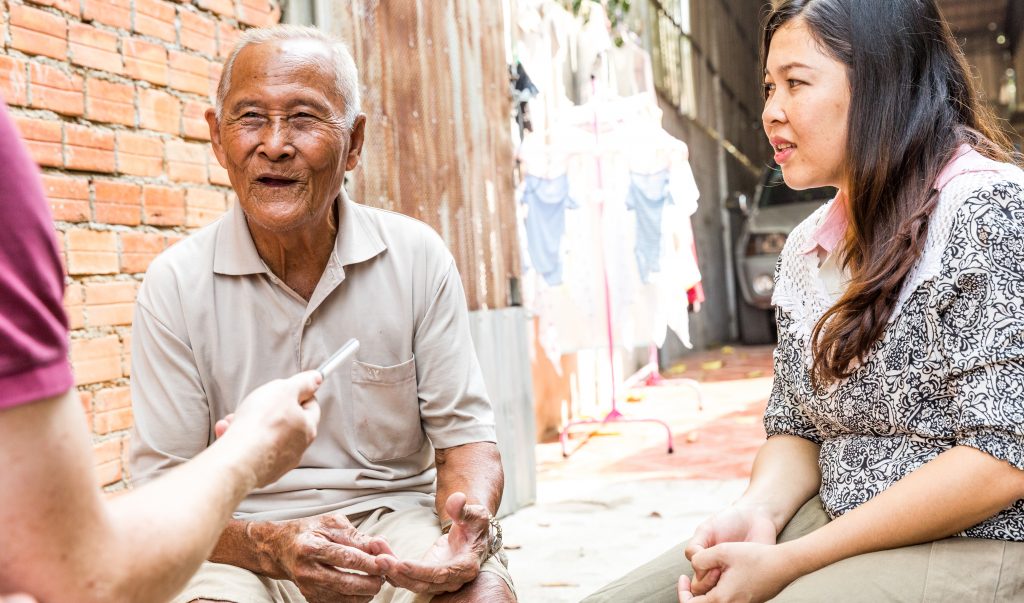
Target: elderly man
288, 274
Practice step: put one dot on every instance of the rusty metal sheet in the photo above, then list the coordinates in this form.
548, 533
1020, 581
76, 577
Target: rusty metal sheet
439, 143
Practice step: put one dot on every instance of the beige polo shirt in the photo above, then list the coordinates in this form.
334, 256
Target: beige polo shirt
212, 323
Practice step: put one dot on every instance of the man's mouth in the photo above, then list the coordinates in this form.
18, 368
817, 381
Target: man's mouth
275, 181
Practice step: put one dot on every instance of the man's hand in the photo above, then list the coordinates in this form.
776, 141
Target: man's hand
322, 556
455, 558
737, 523
274, 425
748, 573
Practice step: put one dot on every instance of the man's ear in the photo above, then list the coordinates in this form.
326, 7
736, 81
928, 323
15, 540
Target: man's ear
218, 150
355, 142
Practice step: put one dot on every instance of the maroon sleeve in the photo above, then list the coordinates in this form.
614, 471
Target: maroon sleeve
33, 326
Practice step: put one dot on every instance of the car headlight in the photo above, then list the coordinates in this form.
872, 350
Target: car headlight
766, 244
763, 285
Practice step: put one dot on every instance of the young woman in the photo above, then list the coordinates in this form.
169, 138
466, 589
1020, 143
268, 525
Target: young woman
894, 468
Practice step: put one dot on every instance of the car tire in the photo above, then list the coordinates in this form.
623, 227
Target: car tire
757, 326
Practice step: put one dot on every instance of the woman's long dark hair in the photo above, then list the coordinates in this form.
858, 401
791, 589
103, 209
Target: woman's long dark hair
913, 103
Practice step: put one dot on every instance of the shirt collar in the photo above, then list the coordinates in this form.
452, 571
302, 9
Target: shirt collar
358, 240
832, 229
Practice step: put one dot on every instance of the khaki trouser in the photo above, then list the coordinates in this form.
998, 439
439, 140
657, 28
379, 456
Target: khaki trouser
953, 570
410, 533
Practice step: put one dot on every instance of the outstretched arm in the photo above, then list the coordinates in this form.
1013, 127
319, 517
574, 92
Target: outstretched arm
64, 543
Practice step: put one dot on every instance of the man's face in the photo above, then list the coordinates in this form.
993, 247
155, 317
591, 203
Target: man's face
282, 136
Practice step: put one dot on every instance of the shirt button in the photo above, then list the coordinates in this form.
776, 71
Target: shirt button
309, 321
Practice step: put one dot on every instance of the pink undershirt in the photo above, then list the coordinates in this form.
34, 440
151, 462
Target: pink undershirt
832, 230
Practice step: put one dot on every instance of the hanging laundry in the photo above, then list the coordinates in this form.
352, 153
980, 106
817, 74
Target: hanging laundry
547, 200
523, 91
648, 195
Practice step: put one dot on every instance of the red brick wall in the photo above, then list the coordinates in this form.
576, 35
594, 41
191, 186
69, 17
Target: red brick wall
110, 95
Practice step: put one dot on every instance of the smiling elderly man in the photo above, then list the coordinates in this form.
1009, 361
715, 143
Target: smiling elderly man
292, 271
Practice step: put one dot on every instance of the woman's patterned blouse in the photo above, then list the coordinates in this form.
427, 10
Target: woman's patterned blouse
948, 370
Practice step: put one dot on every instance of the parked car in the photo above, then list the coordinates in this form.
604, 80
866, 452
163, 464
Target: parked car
765, 222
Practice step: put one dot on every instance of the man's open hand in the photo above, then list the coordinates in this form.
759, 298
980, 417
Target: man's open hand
455, 558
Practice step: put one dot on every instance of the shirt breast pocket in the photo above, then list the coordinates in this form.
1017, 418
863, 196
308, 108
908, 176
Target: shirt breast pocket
386, 410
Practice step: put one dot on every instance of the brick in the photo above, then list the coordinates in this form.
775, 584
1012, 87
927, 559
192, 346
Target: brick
203, 206
69, 197
189, 72
159, 110
112, 398
88, 148
186, 161
145, 60
139, 155
43, 139
173, 238
36, 31
163, 206
13, 81
74, 307
51, 88
193, 121
109, 304
116, 13
215, 71
85, 397
109, 473
223, 7
112, 420
227, 37
106, 451
117, 202
92, 47
138, 249
91, 252
126, 355
257, 13
62, 246
96, 360
109, 102
198, 32
67, 6
155, 18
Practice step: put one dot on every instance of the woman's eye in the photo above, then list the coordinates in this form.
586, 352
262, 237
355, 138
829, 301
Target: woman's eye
768, 88
794, 83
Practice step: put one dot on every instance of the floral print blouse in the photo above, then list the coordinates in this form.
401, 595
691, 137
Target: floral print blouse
948, 370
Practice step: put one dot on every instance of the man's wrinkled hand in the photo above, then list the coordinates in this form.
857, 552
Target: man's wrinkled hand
455, 557
329, 560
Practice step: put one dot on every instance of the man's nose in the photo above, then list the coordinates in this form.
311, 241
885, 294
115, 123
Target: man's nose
276, 143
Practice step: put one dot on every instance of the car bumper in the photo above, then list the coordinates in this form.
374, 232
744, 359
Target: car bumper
756, 274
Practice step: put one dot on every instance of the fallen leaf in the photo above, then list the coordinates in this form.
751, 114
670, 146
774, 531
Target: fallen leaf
755, 374
655, 514
728, 350
692, 437
711, 365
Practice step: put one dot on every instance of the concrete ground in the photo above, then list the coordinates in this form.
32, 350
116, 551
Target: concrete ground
620, 499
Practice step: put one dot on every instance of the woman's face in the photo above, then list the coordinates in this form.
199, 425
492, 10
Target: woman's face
805, 115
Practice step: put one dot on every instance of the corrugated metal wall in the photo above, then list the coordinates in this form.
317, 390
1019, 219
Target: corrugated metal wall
439, 145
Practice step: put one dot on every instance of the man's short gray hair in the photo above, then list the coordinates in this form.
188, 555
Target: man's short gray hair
346, 73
